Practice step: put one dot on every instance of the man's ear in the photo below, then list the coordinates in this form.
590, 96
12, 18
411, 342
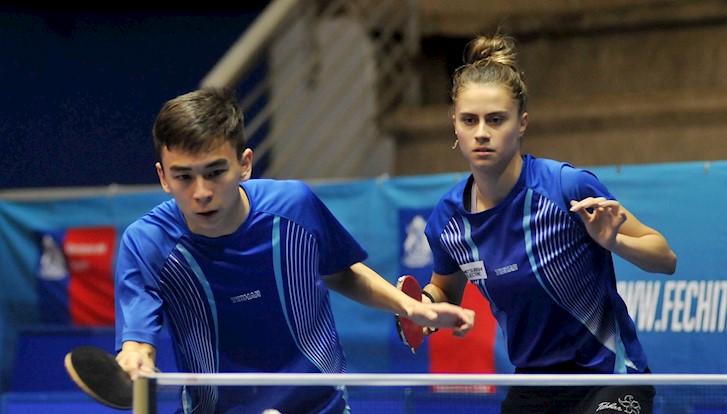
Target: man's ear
162, 178
246, 165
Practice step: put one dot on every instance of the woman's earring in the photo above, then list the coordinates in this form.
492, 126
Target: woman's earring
456, 141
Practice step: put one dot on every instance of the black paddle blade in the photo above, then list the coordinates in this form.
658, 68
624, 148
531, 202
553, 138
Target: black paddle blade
98, 374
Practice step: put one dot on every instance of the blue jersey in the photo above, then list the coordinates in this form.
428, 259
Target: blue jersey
551, 287
252, 301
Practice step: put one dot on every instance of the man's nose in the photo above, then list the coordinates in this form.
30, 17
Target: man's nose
202, 190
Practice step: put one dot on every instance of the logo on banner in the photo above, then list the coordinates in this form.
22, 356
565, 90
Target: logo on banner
53, 265
75, 276
416, 252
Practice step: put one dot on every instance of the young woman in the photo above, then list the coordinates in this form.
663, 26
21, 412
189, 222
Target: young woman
536, 237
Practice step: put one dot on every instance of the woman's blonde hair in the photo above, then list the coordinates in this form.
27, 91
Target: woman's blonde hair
492, 60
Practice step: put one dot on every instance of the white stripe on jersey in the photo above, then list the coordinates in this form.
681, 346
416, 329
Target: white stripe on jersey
313, 323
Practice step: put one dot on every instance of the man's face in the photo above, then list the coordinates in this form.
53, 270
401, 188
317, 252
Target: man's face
206, 187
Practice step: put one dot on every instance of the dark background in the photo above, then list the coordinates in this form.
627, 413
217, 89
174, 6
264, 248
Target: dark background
82, 86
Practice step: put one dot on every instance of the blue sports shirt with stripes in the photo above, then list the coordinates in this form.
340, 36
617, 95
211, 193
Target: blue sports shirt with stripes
550, 286
252, 301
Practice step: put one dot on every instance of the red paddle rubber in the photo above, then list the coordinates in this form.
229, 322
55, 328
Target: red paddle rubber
411, 334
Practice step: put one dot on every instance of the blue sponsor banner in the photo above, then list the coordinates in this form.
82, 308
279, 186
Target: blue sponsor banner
682, 318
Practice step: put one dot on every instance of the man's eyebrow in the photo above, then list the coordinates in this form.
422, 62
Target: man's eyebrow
217, 163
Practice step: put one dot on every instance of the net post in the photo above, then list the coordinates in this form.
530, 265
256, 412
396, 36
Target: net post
145, 392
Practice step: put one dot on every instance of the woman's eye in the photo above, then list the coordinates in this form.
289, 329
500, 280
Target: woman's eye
497, 120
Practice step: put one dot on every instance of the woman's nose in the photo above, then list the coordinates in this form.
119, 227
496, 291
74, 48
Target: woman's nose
483, 132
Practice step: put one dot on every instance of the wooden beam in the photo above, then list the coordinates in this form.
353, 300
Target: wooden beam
667, 127
525, 18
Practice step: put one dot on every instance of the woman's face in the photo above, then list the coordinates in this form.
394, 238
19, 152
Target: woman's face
488, 126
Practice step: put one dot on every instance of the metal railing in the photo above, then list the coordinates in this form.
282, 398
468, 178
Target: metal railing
314, 78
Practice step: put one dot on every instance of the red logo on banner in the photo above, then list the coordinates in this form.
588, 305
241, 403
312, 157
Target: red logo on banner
90, 256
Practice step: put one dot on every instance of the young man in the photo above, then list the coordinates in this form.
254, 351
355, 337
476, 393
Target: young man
240, 269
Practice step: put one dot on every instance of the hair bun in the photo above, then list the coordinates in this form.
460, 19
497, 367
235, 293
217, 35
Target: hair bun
498, 48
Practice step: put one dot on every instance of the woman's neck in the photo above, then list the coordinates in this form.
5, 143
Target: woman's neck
490, 189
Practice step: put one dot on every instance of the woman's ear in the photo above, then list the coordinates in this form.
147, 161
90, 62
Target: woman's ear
523, 123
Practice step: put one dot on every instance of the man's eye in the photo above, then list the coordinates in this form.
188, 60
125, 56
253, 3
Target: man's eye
181, 177
216, 173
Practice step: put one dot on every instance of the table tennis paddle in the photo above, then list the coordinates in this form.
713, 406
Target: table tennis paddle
411, 334
98, 374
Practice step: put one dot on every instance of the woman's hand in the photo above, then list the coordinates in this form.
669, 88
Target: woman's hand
603, 218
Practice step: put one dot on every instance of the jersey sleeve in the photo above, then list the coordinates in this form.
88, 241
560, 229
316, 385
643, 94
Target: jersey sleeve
578, 184
338, 249
137, 303
442, 261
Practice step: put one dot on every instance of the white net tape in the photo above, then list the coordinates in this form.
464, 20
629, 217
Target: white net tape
383, 393
436, 379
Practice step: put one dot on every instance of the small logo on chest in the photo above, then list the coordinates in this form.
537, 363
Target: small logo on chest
506, 269
246, 296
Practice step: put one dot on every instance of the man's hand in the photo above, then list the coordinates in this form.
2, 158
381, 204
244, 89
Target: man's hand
137, 358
